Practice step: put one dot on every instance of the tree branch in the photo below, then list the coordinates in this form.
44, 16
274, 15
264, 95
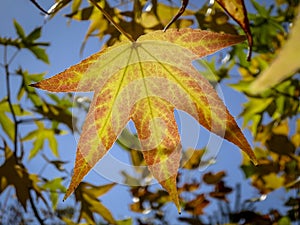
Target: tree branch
35, 211
6, 68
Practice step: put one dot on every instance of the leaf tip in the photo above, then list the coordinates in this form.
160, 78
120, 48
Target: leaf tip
35, 85
252, 158
254, 161
179, 211
67, 194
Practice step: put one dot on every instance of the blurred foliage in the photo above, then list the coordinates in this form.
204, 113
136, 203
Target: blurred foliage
271, 116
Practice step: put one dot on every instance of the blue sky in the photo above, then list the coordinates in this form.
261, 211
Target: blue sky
64, 51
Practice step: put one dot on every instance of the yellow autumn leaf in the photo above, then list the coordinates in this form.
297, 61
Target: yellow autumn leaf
144, 81
273, 181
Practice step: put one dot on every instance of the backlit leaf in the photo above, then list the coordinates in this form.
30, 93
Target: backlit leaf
54, 187
145, 81
5, 120
40, 135
29, 42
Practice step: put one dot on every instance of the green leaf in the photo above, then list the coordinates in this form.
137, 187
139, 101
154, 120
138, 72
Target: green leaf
54, 187
261, 9
39, 136
6, 122
40, 53
29, 42
31, 94
35, 34
285, 65
52, 142
19, 30
7, 125
255, 106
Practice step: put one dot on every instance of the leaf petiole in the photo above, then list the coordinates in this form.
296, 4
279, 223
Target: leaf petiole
184, 4
110, 19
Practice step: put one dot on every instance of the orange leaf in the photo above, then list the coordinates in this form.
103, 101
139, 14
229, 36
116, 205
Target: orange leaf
144, 82
197, 205
237, 10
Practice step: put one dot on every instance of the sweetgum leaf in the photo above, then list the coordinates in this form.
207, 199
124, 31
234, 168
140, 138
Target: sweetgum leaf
144, 82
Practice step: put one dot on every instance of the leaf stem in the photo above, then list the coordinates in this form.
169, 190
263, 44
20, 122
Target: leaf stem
13, 57
39, 7
110, 19
184, 4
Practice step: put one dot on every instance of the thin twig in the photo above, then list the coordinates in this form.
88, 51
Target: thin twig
39, 7
13, 57
184, 4
30, 120
35, 211
110, 19
6, 67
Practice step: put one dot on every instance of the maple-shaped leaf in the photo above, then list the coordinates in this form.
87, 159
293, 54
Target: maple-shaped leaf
145, 81
13, 173
88, 194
